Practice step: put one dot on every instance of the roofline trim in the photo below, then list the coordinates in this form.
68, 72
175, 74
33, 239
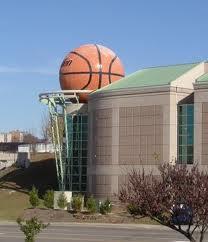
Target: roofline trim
200, 85
181, 64
143, 90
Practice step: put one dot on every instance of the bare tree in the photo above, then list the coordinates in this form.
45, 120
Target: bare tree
29, 138
46, 132
175, 197
46, 128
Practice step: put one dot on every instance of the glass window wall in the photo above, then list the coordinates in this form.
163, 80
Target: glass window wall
76, 179
185, 133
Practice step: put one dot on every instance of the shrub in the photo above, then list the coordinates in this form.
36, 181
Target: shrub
133, 209
108, 205
49, 199
34, 199
105, 207
102, 209
77, 202
91, 205
176, 196
62, 201
31, 228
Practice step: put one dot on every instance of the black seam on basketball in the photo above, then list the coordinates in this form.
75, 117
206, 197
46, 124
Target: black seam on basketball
110, 66
100, 66
92, 72
89, 65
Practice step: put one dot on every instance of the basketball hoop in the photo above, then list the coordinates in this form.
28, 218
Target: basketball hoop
57, 102
69, 96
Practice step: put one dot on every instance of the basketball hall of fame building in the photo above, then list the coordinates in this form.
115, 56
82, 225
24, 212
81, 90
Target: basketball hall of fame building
105, 124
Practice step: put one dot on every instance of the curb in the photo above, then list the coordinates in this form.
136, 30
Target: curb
106, 225
145, 226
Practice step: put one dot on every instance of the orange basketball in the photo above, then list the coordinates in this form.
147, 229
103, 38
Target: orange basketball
90, 67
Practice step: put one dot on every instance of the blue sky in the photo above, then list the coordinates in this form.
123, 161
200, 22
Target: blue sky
36, 35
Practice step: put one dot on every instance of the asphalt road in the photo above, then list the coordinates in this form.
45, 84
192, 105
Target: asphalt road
94, 233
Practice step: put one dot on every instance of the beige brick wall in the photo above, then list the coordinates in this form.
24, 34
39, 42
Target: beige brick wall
204, 154
102, 186
102, 136
141, 135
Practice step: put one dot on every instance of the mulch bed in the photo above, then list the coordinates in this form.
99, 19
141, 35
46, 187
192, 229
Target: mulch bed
50, 215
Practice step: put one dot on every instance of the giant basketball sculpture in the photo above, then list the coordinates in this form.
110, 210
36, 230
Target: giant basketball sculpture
83, 70
90, 67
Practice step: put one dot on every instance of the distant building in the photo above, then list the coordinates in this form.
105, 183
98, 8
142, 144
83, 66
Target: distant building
17, 136
8, 137
14, 136
2, 137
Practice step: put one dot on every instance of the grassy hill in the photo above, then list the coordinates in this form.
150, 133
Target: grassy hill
15, 184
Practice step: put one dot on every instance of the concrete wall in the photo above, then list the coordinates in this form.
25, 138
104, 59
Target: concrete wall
39, 148
8, 156
7, 159
77, 108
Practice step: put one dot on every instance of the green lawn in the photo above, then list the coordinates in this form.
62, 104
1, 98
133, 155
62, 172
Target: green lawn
12, 204
16, 183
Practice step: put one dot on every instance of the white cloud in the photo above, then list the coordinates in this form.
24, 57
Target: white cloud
9, 69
